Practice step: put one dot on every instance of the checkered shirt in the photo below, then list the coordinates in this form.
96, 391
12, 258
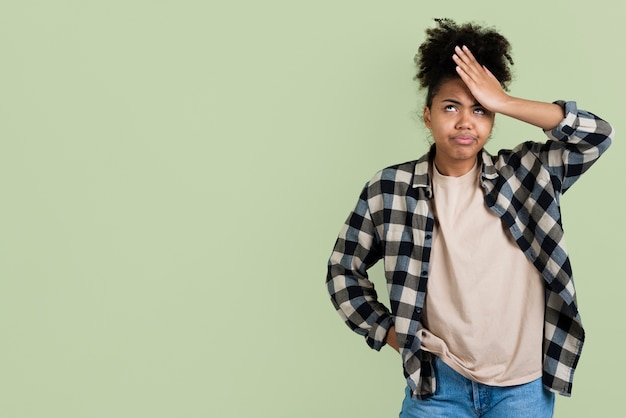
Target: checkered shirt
392, 222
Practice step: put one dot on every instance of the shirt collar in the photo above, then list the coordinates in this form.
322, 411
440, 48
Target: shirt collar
421, 175
489, 169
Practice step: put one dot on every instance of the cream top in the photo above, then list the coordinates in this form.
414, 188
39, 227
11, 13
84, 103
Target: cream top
484, 309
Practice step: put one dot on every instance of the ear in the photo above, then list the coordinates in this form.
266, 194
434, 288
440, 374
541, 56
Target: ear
427, 121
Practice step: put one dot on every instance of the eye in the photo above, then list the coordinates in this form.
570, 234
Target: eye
450, 108
480, 111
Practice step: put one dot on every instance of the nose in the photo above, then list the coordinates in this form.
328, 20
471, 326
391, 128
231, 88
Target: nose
464, 121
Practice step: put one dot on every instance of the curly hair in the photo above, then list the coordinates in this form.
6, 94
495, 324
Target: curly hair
434, 57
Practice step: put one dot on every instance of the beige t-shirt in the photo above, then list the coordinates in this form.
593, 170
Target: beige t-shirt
484, 309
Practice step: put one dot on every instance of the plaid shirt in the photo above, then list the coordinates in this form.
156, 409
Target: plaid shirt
392, 222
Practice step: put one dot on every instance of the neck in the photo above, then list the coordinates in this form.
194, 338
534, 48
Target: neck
454, 168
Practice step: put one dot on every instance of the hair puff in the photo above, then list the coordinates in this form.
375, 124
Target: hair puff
434, 57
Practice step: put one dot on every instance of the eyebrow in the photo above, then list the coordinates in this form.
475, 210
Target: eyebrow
476, 104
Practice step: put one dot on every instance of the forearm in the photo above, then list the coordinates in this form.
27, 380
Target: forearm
357, 304
546, 116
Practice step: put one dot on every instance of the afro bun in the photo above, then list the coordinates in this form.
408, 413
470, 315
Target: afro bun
434, 57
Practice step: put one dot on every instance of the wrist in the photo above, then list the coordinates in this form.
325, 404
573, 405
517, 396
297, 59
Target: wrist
392, 339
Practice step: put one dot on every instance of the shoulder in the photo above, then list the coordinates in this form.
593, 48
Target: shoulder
407, 172
402, 173
525, 164
393, 179
525, 151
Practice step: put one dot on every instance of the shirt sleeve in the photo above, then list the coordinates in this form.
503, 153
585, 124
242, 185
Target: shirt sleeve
357, 248
577, 143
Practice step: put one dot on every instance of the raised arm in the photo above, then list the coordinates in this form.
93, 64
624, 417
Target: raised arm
489, 93
578, 137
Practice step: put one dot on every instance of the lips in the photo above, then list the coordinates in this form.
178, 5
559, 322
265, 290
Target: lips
464, 139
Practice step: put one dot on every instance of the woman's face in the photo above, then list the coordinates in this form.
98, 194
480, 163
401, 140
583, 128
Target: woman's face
460, 127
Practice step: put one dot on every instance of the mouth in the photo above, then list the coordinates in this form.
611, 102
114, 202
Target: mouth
464, 139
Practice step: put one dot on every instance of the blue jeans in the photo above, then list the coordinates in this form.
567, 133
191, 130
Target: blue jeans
457, 396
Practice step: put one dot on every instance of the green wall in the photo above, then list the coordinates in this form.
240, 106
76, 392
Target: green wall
174, 175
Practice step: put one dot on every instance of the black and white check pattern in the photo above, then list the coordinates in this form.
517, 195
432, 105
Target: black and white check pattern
392, 222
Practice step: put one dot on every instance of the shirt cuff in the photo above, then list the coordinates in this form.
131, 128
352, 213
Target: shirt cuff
569, 123
378, 333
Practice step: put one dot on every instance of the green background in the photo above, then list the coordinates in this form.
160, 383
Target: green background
174, 175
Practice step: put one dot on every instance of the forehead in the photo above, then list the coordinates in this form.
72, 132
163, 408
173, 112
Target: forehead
454, 88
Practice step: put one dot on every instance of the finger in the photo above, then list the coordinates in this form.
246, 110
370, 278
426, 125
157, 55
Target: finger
464, 54
468, 77
467, 73
465, 59
464, 76
466, 51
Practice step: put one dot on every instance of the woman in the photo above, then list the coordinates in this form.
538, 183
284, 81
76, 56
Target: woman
482, 303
